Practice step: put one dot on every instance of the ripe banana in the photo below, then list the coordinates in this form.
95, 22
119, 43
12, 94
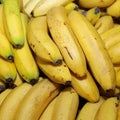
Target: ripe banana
88, 111
47, 113
93, 15
86, 87
114, 9
40, 41
24, 60
45, 5
97, 56
66, 105
117, 71
12, 23
94, 3
104, 23
111, 36
12, 101
4, 94
66, 41
108, 109
8, 71
37, 99
57, 73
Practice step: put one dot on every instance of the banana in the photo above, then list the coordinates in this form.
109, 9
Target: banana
40, 41
104, 23
13, 100
2, 86
47, 113
36, 100
97, 56
94, 3
114, 53
110, 105
114, 9
86, 87
8, 71
93, 15
111, 36
45, 5
88, 111
57, 73
66, 41
24, 60
4, 94
12, 23
66, 105
118, 112
117, 71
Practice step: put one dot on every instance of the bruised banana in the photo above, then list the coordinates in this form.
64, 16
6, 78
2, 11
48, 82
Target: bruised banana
89, 109
57, 73
86, 87
94, 3
37, 99
12, 23
66, 41
111, 36
104, 23
12, 101
45, 5
66, 105
97, 56
40, 41
24, 60
108, 109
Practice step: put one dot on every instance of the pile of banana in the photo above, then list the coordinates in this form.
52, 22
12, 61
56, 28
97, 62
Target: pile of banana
59, 60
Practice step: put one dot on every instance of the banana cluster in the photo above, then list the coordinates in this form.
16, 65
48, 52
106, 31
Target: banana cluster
60, 60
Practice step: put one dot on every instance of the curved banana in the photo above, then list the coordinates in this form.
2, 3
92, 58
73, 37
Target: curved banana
111, 36
66, 105
104, 23
86, 87
97, 56
93, 15
88, 111
114, 9
24, 60
45, 5
66, 41
12, 101
36, 100
57, 73
12, 23
110, 105
94, 3
40, 41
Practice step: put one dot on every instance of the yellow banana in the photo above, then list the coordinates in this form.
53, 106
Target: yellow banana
97, 56
12, 101
57, 73
104, 23
111, 36
93, 15
36, 100
12, 23
25, 2
4, 94
94, 3
117, 71
66, 105
66, 41
118, 112
45, 5
86, 87
114, 9
40, 41
24, 60
108, 109
8, 71
88, 111
47, 113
